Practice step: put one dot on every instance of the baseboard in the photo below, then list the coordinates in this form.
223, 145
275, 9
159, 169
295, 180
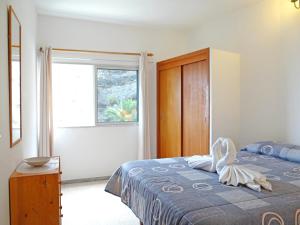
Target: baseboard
84, 180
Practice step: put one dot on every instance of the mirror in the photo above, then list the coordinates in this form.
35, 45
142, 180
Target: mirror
14, 65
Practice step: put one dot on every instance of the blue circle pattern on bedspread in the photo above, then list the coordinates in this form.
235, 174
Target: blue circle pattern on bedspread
169, 192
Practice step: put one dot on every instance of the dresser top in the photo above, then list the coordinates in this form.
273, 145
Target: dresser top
23, 169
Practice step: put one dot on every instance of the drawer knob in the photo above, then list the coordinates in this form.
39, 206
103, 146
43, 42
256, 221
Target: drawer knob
61, 215
60, 172
61, 194
60, 207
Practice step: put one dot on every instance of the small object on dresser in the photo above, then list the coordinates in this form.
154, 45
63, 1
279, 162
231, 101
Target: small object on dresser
37, 161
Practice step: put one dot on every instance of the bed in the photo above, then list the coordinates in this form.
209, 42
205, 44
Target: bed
168, 192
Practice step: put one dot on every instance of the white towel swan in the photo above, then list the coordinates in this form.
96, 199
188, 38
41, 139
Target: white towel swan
222, 162
207, 162
234, 175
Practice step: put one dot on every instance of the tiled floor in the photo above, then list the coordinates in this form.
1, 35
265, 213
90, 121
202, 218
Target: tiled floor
88, 204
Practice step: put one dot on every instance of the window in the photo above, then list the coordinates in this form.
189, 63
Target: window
86, 95
117, 95
73, 95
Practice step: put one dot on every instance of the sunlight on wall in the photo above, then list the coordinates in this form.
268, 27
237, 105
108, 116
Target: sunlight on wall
288, 11
290, 49
289, 22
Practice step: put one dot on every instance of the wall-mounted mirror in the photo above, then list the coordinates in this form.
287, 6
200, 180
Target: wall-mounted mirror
14, 65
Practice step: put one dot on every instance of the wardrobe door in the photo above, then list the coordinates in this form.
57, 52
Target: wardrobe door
169, 113
196, 108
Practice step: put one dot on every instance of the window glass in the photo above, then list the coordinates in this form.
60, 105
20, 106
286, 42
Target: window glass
117, 95
73, 95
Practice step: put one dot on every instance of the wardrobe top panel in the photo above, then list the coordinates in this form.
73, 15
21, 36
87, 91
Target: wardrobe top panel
184, 59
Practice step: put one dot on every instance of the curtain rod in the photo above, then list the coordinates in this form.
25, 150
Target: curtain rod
97, 52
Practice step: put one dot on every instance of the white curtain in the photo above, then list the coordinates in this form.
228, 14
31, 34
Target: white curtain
45, 139
144, 151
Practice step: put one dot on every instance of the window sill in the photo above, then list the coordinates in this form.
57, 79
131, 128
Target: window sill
125, 124
101, 125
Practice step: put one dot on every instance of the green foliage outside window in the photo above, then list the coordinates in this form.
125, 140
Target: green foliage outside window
123, 111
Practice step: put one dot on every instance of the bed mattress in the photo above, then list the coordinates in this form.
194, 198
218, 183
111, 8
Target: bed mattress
168, 192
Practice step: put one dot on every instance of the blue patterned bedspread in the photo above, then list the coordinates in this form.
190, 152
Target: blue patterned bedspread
168, 192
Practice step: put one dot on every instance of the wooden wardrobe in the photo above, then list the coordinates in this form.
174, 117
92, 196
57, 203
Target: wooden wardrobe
185, 99
183, 105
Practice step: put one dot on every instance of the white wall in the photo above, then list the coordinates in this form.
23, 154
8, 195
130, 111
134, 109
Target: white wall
253, 32
9, 158
81, 34
290, 61
98, 151
225, 95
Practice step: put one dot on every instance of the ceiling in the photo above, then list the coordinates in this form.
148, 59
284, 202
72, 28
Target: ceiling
157, 13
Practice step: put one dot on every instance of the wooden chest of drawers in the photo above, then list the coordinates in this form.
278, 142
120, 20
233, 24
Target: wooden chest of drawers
35, 198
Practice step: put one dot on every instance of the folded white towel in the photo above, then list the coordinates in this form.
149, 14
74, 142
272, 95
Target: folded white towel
207, 162
236, 174
221, 160
228, 154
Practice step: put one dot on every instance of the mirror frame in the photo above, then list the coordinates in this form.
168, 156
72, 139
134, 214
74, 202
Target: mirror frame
11, 14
